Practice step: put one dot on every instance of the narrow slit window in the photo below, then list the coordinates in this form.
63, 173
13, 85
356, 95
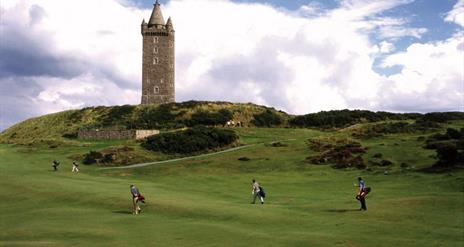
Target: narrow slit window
156, 90
155, 50
156, 60
155, 39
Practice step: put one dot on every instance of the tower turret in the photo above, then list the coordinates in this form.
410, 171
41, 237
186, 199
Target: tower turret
169, 24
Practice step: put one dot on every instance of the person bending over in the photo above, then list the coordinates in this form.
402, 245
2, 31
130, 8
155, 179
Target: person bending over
135, 199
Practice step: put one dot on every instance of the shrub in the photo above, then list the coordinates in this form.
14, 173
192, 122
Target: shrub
210, 118
267, 119
340, 153
193, 140
448, 155
70, 135
92, 157
377, 155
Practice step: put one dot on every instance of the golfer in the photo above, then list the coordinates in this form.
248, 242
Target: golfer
75, 167
135, 198
255, 191
55, 165
361, 196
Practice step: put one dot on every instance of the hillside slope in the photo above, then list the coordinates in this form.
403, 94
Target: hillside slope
63, 126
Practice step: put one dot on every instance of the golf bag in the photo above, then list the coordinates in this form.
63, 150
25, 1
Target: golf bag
141, 198
366, 191
261, 192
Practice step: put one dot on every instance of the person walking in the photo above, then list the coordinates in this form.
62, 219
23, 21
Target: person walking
361, 196
256, 192
55, 165
135, 199
75, 167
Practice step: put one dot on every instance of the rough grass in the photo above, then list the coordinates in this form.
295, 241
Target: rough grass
205, 201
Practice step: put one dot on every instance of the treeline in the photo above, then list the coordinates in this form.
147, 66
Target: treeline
343, 118
193, 140
192, 113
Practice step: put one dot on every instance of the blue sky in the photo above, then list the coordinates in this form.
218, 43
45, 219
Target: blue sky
297, 56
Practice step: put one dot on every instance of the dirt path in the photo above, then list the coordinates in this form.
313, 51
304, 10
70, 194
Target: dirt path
187, 158
178, 159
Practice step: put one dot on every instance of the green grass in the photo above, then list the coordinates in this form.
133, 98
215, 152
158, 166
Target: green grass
206, 201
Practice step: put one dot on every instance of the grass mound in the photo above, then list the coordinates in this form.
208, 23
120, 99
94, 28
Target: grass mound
340, 153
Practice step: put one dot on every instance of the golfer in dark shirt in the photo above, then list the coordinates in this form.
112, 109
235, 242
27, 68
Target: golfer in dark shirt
55, 165
362, 194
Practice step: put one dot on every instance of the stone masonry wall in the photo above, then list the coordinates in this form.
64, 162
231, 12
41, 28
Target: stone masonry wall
115, 134
141, 134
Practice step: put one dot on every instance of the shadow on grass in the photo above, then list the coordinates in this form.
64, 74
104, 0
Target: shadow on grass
122, 212
341, 210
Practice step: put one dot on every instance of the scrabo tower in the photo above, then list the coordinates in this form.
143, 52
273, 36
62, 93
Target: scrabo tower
158, 59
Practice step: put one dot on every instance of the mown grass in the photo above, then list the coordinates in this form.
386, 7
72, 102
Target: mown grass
206, 201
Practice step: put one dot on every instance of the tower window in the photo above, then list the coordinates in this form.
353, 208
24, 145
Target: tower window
155, 39
156, 90
155, 50
156, 60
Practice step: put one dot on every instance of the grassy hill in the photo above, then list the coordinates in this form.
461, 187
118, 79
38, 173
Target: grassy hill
205, 201
63, 126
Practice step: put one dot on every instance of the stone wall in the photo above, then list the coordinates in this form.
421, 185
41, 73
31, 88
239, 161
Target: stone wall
141, 134
115, 134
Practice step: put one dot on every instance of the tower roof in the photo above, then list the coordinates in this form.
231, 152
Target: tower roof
156, 16
169, 22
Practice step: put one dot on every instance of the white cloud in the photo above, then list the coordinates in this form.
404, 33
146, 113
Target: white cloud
432, 76
456, 15
399, 31
385, 47
305, 61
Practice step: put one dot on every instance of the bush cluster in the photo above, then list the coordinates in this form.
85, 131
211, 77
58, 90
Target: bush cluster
209, 118
193, 140
338, 153
267, 119
449, 148
377, 130
343, 118
92, 157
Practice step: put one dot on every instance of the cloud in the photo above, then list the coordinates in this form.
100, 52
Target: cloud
54, 57
386, 47
398, 31
431, 79
456, 15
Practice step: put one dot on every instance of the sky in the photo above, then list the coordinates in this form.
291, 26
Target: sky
299, 56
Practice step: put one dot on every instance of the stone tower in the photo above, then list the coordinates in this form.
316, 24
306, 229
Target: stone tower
158, 59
